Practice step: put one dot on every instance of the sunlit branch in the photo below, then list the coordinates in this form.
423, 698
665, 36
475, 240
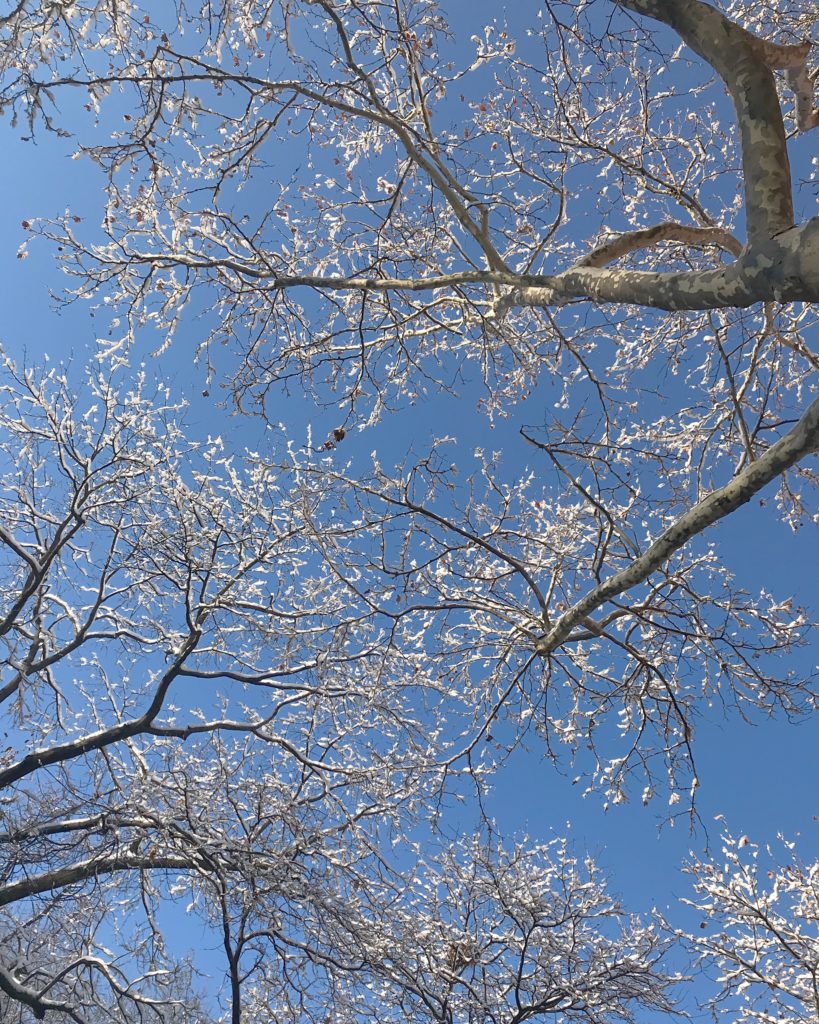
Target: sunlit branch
740, 60
782, 269
93, 867
798, 443
682, 234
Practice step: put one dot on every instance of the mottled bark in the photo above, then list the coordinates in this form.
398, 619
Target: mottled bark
671, 231
739, 59
781, 269
780, 261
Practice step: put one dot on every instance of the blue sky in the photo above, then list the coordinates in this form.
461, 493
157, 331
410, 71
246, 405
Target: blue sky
761, 776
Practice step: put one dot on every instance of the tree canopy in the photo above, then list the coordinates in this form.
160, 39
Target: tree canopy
257, 683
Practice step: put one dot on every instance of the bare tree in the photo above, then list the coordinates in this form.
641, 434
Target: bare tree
194, 711
435, 225
760, 911
340, 196
206, 717
523, 934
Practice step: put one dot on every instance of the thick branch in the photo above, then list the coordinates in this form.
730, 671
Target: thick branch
807, 113
632, 241
793, 60
738, 58
801, 441
94, 867
21, 993
784, 269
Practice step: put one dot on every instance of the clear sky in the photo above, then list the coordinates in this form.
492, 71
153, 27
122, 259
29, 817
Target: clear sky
761, 775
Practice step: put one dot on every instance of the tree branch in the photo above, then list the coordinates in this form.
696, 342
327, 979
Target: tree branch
93, 867
783, 269
801, 441
631, 241
103, 737
738, 57
28, 997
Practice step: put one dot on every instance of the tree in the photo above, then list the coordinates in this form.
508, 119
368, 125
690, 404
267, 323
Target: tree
141, 565
155, 654
405, 236
426, 232
761, 916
